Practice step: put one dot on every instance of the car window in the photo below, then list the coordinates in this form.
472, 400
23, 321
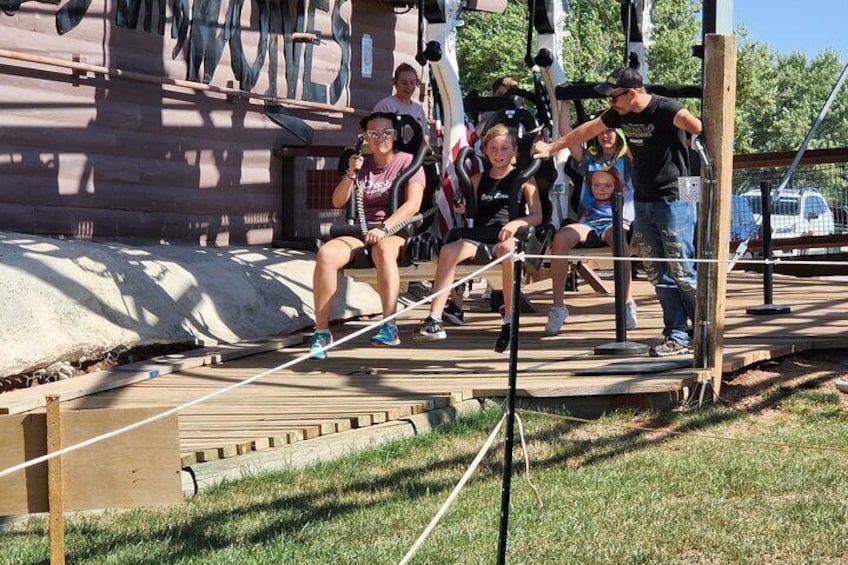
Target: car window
755, 203
785, 206
810, 207
819, 205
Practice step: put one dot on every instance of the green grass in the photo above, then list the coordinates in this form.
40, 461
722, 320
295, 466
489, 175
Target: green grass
612, 494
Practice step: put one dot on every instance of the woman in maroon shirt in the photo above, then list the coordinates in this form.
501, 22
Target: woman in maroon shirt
373, 173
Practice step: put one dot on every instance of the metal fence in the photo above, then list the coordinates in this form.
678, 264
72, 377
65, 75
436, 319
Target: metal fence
813, 203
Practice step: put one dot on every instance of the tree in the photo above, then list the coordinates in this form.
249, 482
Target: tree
493, 45
778, 96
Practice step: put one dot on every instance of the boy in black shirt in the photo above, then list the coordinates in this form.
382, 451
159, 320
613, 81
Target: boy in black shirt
664, 226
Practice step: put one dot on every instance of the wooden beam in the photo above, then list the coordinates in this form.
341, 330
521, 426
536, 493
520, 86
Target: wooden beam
79, 67
784, 158
719, 112
803, 242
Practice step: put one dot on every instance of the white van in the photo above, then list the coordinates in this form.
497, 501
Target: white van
796, 212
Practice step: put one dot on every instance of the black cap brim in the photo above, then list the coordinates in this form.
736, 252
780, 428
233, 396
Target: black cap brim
604, 88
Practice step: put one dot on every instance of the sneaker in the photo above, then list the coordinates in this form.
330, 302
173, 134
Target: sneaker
453, 314
502, 342
386, 336
320, 339
487, 293
556, 318
431, 329
630, 320
668, 348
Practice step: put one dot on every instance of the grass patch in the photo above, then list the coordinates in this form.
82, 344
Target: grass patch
612, 493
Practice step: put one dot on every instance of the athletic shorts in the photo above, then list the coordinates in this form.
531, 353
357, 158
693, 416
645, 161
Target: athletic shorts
486, 234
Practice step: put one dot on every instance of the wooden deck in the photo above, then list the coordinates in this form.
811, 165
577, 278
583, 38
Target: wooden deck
358, 386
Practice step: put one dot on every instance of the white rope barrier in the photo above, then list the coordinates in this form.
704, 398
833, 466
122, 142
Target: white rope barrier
141, 423
527, 461
454, 493
512, 255
773, 261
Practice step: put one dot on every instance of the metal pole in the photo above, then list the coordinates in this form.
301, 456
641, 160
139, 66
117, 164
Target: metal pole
628, 7
768, 247
768, 251
618, 246
518, 265
619, 250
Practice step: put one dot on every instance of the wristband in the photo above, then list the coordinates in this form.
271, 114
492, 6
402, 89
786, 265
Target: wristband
382, 227
350, 177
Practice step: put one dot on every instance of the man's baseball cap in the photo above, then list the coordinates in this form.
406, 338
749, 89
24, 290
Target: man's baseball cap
624, 77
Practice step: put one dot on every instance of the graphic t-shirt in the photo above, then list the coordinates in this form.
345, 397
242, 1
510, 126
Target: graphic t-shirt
493, 200
660, 155
597, 213
376, 183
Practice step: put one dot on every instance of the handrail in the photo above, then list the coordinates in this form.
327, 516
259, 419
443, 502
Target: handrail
167, 81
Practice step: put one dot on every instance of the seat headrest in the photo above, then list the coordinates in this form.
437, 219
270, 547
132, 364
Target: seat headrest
524, 123
402, 122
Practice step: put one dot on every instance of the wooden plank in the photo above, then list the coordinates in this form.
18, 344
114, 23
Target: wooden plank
310, 431
138, 468
330, 424
21, 400
356, 420
55, 487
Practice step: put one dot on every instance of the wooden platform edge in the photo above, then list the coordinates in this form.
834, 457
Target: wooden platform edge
736, 362
639, 384
23, 400
323, 448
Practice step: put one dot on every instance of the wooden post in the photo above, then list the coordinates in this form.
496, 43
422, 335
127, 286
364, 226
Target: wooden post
55, 494
719, 112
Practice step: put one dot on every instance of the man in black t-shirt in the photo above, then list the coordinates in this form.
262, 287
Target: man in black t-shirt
664, 226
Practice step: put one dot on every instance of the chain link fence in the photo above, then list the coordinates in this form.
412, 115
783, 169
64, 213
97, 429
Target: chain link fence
813, 203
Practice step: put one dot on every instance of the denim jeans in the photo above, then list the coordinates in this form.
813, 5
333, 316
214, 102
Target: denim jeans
667, 230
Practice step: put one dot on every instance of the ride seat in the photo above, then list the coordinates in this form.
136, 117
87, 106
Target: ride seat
536, 238
419, 242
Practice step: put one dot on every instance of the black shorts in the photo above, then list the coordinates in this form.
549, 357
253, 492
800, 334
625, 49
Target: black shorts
485, 234
593, 241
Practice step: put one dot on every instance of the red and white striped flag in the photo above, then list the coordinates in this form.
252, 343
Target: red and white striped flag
450, 182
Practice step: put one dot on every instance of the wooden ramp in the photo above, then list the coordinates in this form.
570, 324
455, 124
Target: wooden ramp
359, 386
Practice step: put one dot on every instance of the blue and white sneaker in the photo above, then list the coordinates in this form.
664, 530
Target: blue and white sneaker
386, 336
320, 339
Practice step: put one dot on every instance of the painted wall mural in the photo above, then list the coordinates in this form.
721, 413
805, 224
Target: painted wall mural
197, 33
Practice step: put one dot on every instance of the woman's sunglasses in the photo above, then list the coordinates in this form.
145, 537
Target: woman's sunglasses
375, 135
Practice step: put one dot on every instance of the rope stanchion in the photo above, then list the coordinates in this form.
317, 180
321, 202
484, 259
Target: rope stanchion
506, 483
214, 394
449, 501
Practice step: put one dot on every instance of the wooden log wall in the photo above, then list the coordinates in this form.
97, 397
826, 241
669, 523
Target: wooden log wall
93, 156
